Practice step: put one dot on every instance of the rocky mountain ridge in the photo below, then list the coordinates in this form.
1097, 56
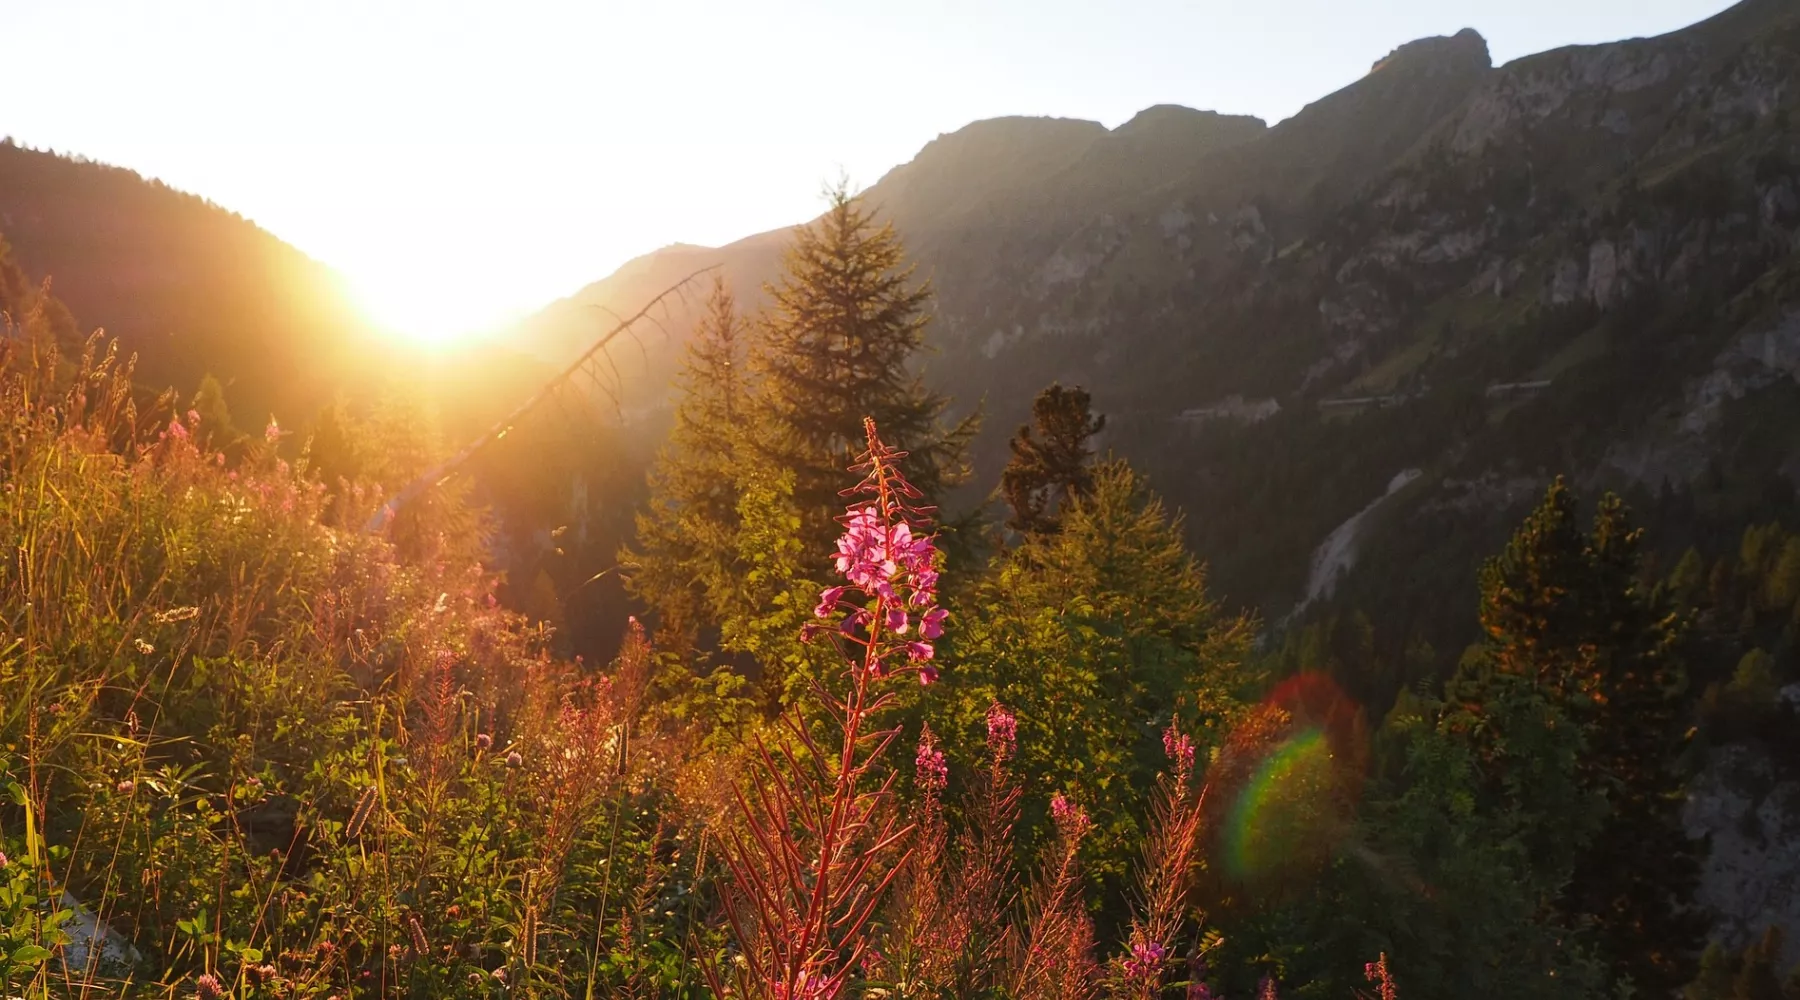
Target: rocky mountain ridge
1437, 229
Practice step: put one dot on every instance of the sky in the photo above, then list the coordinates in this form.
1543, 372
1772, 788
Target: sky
464, 164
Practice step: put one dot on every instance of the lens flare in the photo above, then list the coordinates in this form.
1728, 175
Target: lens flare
1276, 819
1289, 779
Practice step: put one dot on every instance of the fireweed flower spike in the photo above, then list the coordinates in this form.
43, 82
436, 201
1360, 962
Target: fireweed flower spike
932, 773
888, 559
803, 890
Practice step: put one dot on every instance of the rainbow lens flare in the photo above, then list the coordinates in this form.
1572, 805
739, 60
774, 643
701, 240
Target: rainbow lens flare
1292, 784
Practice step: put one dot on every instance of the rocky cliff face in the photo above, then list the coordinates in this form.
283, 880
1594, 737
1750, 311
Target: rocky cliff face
1745, 804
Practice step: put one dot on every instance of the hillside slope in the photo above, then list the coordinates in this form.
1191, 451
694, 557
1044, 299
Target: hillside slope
190, 287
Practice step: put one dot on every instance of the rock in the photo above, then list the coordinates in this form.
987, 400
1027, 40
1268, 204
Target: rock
1749, 812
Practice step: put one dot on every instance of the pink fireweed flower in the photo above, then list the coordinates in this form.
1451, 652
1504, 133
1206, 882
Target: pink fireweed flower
1180, 749
1003, 731
828, 601
1071, 821
887, 559
931, 626
928, 675
1145, 961
931, 771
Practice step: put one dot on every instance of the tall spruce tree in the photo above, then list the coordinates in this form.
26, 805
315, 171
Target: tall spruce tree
846, 319
687, 531
1566, 610
1046, 472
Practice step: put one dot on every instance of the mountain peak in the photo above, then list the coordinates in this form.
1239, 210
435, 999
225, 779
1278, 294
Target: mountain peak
1440, 54
1164, 117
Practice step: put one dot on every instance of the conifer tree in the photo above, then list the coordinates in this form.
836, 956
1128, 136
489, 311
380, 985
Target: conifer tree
845, 321
1565, 609
687, 531
1048, 471
1095, 635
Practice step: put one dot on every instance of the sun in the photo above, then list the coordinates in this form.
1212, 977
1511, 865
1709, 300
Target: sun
423, 312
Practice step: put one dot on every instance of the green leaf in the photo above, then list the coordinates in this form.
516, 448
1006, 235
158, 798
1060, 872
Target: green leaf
30, 954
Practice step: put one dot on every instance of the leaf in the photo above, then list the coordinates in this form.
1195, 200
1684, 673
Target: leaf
30, 954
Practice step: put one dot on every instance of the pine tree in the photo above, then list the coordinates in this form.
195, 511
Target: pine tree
686, 533
1566, 610
845, 322
1047, 472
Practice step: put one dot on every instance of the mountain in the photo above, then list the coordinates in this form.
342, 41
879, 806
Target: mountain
188, 286
1355, 346
1580, 261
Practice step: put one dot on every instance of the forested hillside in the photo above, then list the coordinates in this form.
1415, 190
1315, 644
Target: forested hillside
192, 288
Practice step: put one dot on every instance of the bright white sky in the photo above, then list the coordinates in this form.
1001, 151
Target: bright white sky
465, 163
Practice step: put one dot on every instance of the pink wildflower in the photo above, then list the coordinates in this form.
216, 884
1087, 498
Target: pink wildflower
1071, 821
828, 601
127, 786
208, 987
515, 759
272, 433
483, 741
928, 675
1146, 960
1180, 749
888, 563
933, 774
1003, 731
931, 626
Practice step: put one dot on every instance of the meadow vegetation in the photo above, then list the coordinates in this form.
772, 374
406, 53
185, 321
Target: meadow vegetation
860, 749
